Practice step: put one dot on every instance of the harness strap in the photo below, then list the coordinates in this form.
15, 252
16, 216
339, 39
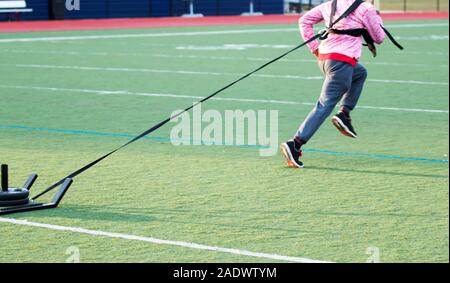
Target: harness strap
395, 42
370, 43
352, 32
347, 12
324, 33
333, 12
367, 38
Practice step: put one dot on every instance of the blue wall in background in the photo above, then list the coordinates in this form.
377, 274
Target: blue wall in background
160, 8
91, 9
40, 10
227, 7
94, 9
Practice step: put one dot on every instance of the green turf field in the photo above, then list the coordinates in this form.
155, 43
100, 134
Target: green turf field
67, 101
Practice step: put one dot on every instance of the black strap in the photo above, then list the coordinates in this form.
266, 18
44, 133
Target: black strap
352, 32
370, 42
333, 12
367, 38
395, 42
347, 12
350, 9
355, 32
162, 123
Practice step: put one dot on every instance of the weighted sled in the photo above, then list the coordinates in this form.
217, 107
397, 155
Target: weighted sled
13, 196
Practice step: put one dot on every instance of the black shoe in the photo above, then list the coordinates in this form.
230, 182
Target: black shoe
292, 155
343, 123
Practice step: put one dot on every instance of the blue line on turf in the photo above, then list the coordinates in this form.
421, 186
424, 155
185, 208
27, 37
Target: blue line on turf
369, 155
63, 131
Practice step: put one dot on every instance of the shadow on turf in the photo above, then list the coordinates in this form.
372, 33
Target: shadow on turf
213, 217
99, 213
376, 172
125, 214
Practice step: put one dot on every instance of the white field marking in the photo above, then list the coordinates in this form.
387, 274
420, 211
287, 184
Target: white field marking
264, 59
407, 82
434, 53
229, 58
268, 101
418, 25
172, 34
246, 46
243, 46
143, 35
424, 38
129, 237
184, 72
404, 109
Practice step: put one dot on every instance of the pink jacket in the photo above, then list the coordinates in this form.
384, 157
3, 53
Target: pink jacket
364, 17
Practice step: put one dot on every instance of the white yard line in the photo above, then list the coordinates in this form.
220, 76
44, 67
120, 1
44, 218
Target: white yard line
267, 101
424, 38
418, 25
173, 34
407, 82
158, 241
196, 57
143, 35
433, 53
185, 72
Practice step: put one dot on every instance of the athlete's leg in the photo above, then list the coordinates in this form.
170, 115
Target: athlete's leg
351, 98
338, 81
342, 120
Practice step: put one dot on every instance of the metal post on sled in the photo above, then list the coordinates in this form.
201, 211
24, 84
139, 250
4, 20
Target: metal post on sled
5, 178
191, 13
252, 11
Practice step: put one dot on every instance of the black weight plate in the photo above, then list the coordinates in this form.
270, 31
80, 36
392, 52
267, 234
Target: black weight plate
14, 202
14, 194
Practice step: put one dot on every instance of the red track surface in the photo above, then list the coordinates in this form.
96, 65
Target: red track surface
27, 26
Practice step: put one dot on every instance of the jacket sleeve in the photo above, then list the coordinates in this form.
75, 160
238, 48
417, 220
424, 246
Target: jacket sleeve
373, 22
306, 25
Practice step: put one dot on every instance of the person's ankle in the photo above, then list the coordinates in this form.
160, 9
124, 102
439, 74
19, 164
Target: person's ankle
298, 143
345, 111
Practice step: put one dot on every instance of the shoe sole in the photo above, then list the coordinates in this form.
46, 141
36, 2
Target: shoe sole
287, 154
342, 127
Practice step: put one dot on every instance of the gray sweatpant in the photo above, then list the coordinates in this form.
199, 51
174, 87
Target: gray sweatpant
342, 83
